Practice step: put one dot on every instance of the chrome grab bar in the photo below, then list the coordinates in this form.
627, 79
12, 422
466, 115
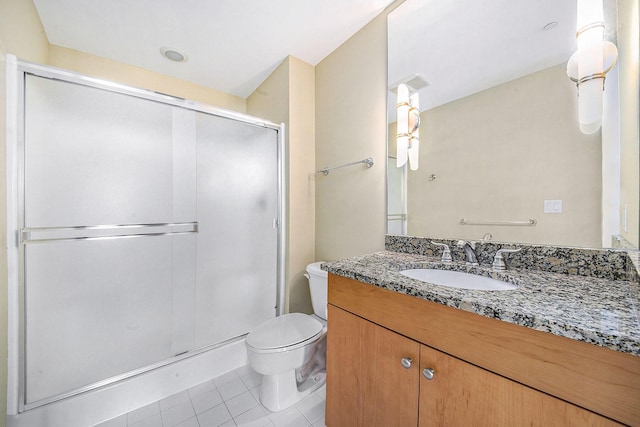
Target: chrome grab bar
368, 161
31, 235
529, 222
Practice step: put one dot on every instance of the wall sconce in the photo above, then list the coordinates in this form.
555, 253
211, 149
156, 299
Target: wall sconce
589, 65
408, 122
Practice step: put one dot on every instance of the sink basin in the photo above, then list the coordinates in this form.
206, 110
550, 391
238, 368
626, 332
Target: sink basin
458, 279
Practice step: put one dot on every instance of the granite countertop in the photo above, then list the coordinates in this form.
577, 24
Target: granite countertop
594, 310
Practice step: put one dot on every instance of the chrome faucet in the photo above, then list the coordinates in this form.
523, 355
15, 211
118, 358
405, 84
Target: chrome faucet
469, 251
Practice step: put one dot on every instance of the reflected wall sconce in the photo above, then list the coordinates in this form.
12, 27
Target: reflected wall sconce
589, 65
408, 122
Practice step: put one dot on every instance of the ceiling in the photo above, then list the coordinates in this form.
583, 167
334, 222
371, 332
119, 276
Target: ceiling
465, 46
231, 45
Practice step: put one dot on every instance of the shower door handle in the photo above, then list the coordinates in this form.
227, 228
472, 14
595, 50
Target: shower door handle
103, 232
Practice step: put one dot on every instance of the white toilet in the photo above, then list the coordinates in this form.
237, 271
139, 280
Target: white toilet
289, 350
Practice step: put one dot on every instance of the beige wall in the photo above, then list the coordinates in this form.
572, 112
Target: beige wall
350, 126
270, 100
130, 75
302, 197
287, 96
21, 34
628, 17
498, 155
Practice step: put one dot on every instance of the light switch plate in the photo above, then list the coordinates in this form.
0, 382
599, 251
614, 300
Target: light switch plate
553, 206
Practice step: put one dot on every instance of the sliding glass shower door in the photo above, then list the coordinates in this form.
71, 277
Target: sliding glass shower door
237, 205
147, 230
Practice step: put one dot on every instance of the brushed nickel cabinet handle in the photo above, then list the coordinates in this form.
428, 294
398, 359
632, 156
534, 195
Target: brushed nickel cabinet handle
428, 373
406, 362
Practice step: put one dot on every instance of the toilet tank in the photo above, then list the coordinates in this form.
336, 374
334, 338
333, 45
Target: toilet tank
318, 288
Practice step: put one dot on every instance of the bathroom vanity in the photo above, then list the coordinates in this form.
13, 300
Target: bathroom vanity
403, 352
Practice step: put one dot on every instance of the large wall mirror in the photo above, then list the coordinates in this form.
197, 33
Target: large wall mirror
501, 151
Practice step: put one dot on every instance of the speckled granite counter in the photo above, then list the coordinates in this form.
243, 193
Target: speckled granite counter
595, 310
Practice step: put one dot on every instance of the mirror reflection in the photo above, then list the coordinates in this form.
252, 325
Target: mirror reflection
501, 153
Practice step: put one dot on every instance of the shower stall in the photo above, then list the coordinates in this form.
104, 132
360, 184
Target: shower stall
143, 230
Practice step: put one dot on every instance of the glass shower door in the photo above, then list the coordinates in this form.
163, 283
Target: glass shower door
108, 232
147, 230
237, 254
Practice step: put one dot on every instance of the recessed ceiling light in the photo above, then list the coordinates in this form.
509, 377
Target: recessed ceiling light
173, 54
550, 26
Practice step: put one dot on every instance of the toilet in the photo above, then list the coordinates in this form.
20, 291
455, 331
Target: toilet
290, 350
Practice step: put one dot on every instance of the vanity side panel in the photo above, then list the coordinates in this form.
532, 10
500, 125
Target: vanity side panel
599, 379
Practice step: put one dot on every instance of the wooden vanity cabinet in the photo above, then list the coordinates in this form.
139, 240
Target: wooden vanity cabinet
369, 386
462, 394
369, 383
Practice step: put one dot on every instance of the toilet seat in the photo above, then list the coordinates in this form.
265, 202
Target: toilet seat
284, 333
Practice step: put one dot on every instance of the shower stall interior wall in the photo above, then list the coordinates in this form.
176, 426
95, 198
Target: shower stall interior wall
148, 229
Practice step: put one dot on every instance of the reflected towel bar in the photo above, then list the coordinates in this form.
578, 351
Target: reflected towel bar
368, 161
396, 217
529, 222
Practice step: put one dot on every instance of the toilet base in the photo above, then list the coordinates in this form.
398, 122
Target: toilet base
280, 391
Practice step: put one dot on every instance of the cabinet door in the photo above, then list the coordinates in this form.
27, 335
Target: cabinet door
367, 384
462, 394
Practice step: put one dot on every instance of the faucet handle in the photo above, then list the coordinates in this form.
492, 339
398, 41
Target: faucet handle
446, 253
498, 260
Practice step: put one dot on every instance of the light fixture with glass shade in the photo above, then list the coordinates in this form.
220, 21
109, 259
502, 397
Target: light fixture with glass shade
408, 122
589, 65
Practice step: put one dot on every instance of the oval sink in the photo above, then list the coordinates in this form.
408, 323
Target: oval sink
458, 279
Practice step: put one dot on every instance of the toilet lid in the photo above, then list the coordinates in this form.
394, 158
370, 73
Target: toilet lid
284, 331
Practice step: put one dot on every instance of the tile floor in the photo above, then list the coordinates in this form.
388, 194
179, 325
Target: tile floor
228, 400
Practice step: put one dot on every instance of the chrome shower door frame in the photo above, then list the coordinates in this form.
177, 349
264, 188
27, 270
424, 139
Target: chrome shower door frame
18, 236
